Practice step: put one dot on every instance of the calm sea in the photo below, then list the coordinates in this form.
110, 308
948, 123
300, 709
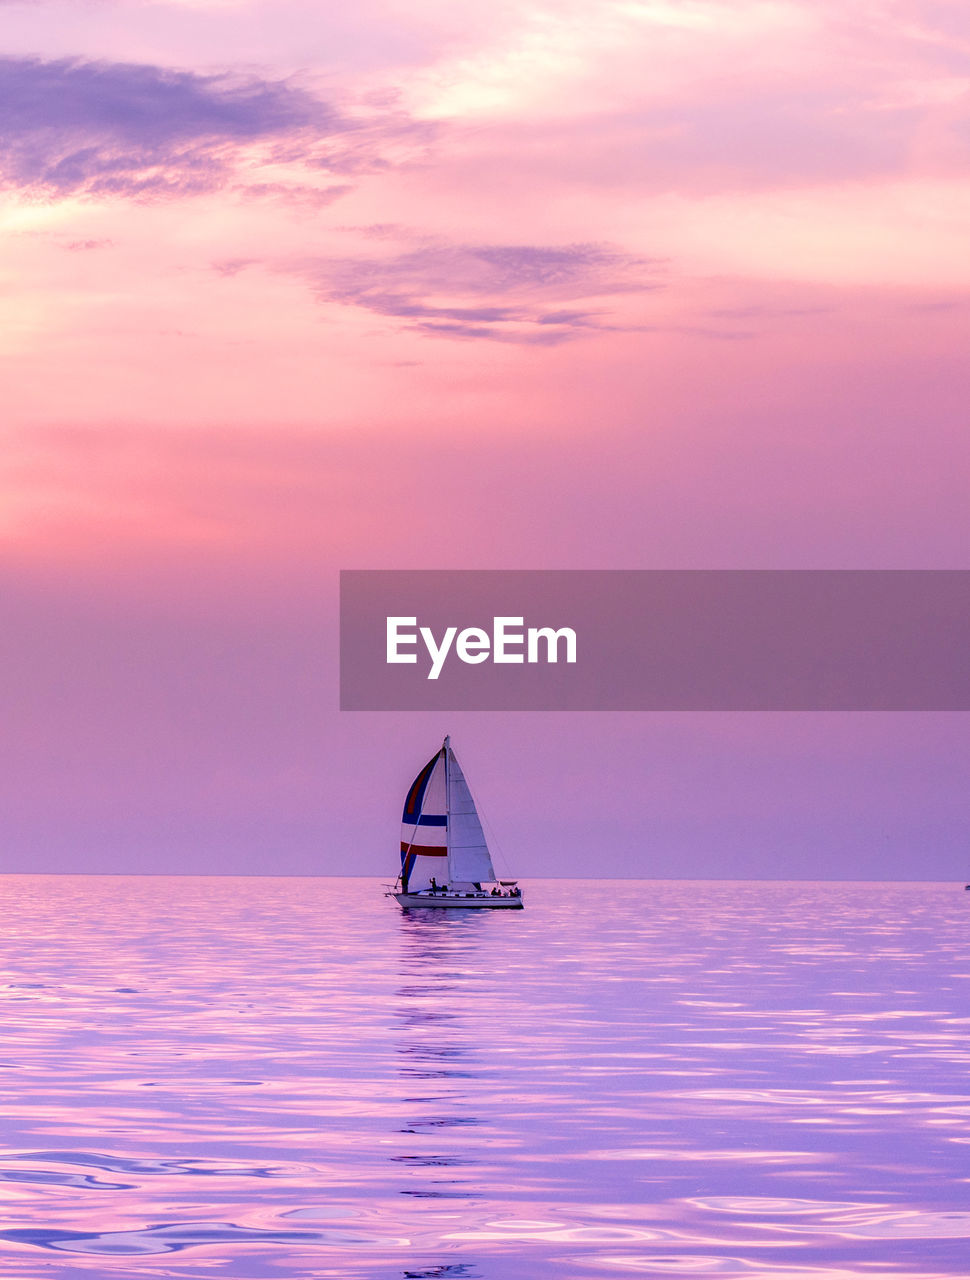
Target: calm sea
290, 1078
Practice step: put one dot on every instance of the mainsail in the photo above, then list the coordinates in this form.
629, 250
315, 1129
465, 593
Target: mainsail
468, 857
441, 835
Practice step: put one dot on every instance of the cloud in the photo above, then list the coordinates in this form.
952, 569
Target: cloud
72, 127
531, 294
295, 193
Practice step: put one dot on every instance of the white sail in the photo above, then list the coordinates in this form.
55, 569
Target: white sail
468, 857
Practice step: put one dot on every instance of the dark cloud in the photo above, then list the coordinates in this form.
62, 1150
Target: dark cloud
97, 128
507, 293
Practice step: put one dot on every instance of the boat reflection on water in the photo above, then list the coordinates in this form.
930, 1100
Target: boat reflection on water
443, 1138
447, 1272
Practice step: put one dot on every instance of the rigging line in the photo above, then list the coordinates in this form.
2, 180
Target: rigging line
493, 840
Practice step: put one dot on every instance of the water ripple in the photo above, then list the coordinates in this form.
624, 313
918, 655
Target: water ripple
174, 1237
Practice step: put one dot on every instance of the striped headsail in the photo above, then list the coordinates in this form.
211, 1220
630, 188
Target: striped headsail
424, 827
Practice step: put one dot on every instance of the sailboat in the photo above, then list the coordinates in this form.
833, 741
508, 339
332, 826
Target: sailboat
445, 860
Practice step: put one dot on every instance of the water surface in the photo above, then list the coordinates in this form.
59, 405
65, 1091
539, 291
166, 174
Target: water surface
293, 1078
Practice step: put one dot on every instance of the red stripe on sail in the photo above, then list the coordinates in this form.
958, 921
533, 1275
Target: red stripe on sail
425, 850
416, 795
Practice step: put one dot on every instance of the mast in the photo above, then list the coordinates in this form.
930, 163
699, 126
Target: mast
446, 748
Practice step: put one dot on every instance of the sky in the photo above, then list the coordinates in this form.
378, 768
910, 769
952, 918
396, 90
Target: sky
287, 288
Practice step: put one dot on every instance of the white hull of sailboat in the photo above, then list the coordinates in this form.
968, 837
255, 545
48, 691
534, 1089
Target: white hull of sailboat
462, 900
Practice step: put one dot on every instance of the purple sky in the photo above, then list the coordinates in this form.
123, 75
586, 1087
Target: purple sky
615, 285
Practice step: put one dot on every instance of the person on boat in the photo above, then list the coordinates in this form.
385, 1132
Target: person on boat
434, 885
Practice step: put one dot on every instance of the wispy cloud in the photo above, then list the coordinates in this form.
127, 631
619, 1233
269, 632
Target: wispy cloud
73, 127
530, 294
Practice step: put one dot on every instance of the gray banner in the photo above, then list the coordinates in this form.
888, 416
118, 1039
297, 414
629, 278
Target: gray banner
655, 640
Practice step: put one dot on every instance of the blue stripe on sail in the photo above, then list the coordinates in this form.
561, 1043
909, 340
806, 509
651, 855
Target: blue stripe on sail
415, 797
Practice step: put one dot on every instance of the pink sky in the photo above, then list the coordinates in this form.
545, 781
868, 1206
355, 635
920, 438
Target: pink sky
293, 287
